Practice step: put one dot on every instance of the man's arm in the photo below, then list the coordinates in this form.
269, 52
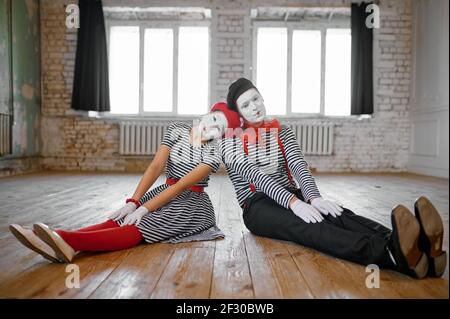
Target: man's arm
298, 165
235, 158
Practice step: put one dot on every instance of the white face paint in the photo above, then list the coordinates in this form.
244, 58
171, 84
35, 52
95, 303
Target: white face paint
251, 106
212, 126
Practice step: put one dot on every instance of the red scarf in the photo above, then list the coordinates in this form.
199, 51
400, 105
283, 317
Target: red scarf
252, 135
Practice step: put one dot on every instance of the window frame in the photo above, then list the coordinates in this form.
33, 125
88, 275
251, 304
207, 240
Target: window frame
167, 24
291, 26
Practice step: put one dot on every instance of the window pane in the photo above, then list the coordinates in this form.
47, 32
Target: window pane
124, 70
306, 67
337, 69
271, 67
193, 65
158, 70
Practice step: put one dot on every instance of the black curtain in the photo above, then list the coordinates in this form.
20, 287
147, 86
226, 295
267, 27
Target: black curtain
91, 79
362, 61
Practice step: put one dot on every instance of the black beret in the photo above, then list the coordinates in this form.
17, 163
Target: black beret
236, 89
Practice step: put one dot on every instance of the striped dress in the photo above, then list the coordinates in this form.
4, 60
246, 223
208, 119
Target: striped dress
189, 216
268, 157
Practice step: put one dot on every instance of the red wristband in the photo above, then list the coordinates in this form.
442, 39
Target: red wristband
132, 200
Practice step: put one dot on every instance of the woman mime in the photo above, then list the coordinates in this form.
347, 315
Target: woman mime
413, 247
177, 211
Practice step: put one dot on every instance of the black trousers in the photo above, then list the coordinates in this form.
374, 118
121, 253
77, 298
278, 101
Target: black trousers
349, 236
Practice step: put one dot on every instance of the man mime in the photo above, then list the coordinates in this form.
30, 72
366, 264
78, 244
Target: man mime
301, 215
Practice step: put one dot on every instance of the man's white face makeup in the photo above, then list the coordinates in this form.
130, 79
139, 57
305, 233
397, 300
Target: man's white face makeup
251, 106
212, 125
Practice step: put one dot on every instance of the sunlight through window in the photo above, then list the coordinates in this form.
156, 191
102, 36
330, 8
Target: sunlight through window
338, 68
306, 68
124, 70
272, 68
158, 70
193, 66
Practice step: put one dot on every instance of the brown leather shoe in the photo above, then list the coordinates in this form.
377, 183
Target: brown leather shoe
404, 243
431, 235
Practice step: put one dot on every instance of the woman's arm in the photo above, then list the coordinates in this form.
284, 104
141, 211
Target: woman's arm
190, 179
153, 171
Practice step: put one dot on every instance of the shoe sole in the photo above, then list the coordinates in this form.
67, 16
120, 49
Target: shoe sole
408, 231
41, 231
433, 231
29, 245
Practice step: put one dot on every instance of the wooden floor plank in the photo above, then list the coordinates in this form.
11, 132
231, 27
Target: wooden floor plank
187, 275
48, 280
274, 272
137, 274
326, 278
344, 279
231, 276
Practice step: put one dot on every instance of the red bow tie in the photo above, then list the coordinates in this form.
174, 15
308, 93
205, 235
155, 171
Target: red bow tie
252, 133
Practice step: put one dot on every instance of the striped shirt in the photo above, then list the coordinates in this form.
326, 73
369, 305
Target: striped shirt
184, 156
267, 156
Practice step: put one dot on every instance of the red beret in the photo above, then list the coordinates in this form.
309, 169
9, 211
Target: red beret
232, 117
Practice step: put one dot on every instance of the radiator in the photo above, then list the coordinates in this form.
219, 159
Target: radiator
144, 138
141, 138
5, 134
314, 138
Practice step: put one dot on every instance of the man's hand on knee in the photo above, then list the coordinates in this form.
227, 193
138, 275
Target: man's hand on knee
305, 211
327, 207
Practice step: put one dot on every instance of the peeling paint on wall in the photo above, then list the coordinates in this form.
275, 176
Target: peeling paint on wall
32, 8
5, 59
28, 92
26, 77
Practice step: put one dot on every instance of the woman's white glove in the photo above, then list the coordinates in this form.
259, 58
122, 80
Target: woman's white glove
135, 217
124, 211
327, 207
306, 212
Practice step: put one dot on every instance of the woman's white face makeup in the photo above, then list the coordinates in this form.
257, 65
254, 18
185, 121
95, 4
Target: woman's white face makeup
212, 126
251, 106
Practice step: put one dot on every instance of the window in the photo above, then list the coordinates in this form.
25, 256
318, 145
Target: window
159, 69
193, 70
124, 69
303, 69
272, 67
337, 75
306, 66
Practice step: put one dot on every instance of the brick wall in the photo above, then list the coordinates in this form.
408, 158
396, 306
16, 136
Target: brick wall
73, 141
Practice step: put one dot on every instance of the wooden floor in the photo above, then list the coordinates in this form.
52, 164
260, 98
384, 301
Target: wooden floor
240, 266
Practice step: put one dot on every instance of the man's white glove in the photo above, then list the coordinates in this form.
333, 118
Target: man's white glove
135, 217
327, 207
306, 212
124, 211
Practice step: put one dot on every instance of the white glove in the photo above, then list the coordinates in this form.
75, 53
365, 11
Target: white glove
327, 207
135, 217
306, 212
124, 211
